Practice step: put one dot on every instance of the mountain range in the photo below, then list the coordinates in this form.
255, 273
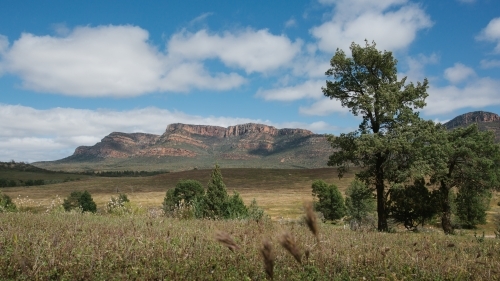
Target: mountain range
184, 147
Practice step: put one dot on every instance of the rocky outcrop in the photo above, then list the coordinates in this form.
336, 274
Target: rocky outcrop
232, 131
472, 117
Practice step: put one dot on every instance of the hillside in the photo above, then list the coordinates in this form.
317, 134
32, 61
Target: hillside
485, 121
184, 147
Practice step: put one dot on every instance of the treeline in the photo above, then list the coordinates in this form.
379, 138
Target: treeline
122, 173
14, 183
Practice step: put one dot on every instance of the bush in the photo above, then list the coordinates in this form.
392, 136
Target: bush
6, 204
359, 202
235, 208
82, 200
471, 206
411, 205
216, 197
119, 206
187, 194
330, 202
255, 212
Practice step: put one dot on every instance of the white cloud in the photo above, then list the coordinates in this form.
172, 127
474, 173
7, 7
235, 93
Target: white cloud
323, 107
290, 23
309, 89
393, 24
416, 66
458, 73
490, 63
253, 51
491, 33
480, 92
467, 1
105, 61
28, 134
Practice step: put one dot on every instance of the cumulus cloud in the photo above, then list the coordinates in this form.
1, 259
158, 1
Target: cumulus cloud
309, 89
478, 93
250, 50
323, 107
393, 24
28, 134
105, 61
415, 71
490, 63
458, 73
491, 33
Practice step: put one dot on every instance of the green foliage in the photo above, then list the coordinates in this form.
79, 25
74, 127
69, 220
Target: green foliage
82, 200
6, 204
119, 206
359, 201
411, 205
463, 158
186, 194
471, 206
235, 208
368, 85
330, 202
7, 183
255, 212
216, 196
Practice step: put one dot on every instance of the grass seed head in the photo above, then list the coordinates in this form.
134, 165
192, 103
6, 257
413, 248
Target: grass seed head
226, 240
288, 242
268, 255
311, 219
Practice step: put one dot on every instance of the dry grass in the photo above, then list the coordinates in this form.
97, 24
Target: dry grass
70, 246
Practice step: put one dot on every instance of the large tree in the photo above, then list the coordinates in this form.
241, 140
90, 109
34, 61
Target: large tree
368, 85
463, 158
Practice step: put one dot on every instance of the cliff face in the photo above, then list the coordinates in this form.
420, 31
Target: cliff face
472, 117
246, 141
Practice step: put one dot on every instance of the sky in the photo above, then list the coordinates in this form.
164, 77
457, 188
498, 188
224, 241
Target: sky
71, 72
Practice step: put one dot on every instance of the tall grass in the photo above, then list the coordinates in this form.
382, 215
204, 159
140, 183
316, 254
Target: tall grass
72, 246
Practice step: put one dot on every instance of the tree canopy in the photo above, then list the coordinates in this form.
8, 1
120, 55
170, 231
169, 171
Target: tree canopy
368, 85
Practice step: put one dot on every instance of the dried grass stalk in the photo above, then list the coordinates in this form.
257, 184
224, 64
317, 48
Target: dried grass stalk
311, 219
288, 242
268, 255
226, 240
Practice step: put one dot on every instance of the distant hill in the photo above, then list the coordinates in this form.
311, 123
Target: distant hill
184, 147
485, 121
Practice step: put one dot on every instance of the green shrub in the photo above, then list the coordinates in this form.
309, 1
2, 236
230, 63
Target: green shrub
471, 206
235, 208
6, 204
216, 197
359, 201
411, 205
82, 200
255, 212
119, 206
330, 202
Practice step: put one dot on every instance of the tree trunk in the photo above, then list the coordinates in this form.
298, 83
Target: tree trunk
446, 209
380, 187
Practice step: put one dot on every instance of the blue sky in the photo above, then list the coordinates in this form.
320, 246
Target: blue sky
72, 72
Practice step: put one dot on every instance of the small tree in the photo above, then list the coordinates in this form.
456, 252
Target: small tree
359, 201
471, 206
411, 205
235, 208
330, 202
216, 196
188, 190
6, 204
78, 199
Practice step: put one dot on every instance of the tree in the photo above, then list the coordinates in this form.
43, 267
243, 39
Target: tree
216, 196
188, 190
411, 205
330, 202
78, 199
235, 208
368, 85
6, 204
471, 206
359, 201
466, 159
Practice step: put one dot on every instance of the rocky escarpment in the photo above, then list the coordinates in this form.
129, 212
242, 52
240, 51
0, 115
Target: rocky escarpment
472, 117
239, 142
